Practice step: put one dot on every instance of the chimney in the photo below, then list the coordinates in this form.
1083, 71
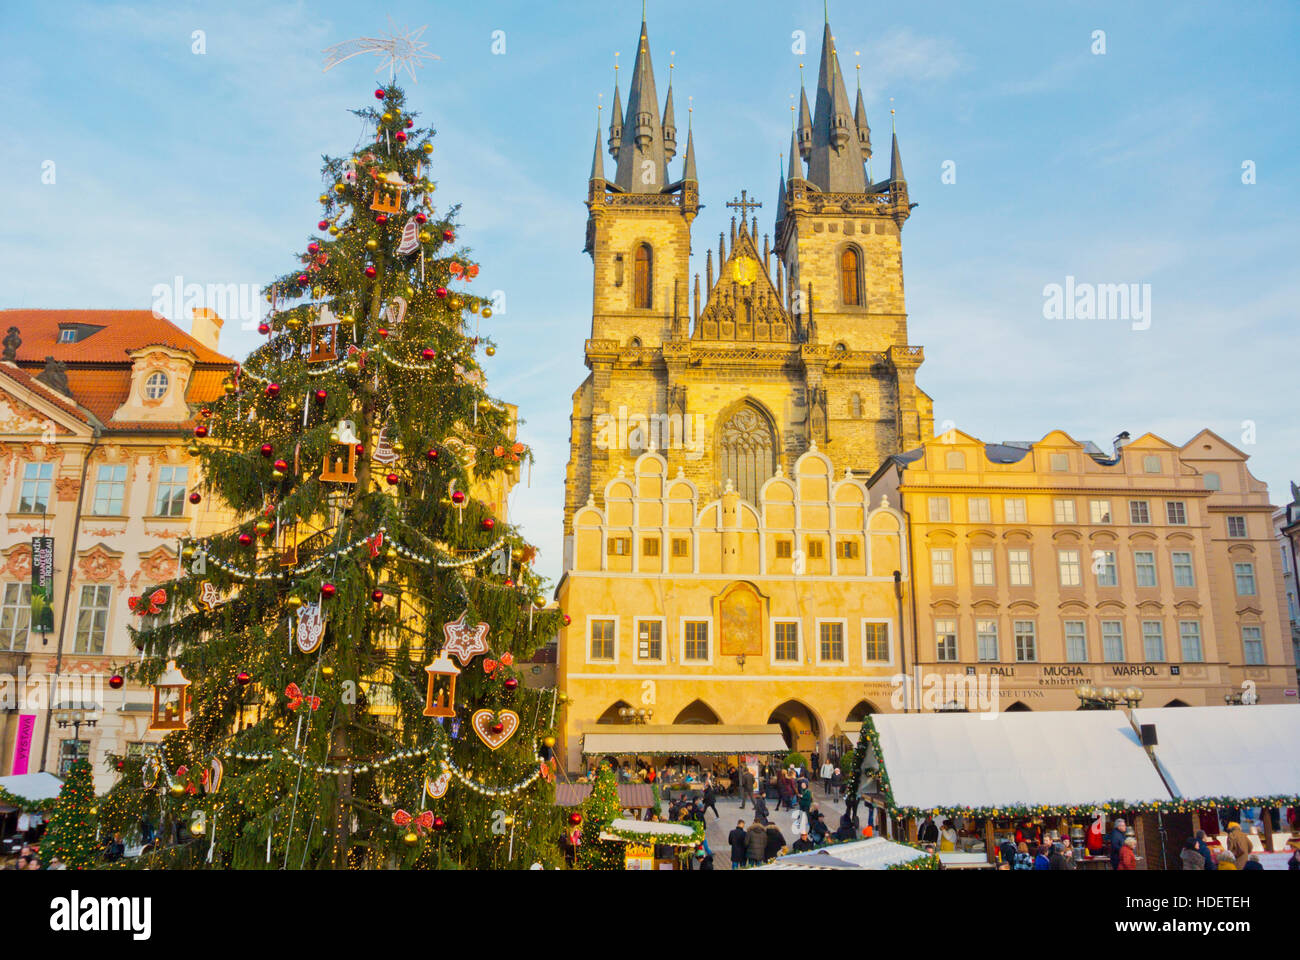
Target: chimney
206, 327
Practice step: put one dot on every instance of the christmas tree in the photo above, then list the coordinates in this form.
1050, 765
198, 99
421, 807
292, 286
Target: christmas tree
353, 646
599, 810
70, 836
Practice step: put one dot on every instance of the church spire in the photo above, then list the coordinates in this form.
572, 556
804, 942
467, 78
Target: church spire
896, 162
597, 161
670, 121
860, 121
642, 158
689, 174
804, 130
835, 158
616, 118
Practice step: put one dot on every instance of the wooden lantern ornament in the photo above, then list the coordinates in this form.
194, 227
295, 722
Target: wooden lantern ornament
324, 338
440, 699
343, 469
171, 694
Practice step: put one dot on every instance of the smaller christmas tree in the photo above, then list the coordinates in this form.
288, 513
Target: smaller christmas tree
598, 811
71, 833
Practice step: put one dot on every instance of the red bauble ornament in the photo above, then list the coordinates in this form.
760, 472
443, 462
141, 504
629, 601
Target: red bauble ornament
567, 619
511, 683
377, 595
116, 681
327, 590
575, 818
420, 218
379, 94
458, 496
267, 450
370, 271
393, 479
302, 279
441, 293
272, 389
263, 328
245, 539
313, 247
448, 235
431, 455
243, 679
510, 581
282, 466
381, 218
439, 823
205, 413
323, 225
428, 353
498, 727
383, 333
360, 449
488, 523
400, 136
320, 396
200, 431
195, 498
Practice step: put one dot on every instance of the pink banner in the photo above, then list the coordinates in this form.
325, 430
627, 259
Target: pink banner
23, 744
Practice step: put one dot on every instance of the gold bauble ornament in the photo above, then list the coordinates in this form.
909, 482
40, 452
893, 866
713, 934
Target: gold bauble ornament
293, 603
277, 474
334, 436
456, 303
549, 741
315, 291
229, 388
94, 811
264, 526
388, 118
372, 244
424, 236
187, 553
324, 198
428, 148
487, 312
334, 231
398, 446
192, 449
340, 188
351, 367
490, 350
293, 323
410, 291
473, 308
411, 838
177, 789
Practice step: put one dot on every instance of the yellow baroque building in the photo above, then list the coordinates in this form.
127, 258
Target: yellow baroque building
717, 611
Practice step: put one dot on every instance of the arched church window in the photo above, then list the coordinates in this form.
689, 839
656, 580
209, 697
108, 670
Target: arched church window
747, 451
855, 403
643, 277
851, 277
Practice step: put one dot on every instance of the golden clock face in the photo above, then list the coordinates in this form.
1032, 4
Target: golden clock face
744, 270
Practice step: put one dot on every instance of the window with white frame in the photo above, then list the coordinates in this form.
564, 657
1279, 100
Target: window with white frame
986, 640
650, 640
1103, 564
1189, 638
602, 640
1176, 512
15, 616
977, 508
1099, 511
1019, 573
1237, 527
70, 751
169, 500
110, 490
1070, 569
92, 618
940, 510
941, 566
1139, 511
945, 640
1063, 510
1184, 573
155, 387
1026, 641
786, 642
1244, 573
1252, 643
1144, 564
981, 561
1153, 641
1076, 641
1112, 641
830, 642
875, 642
34, 495
1013, 508
697, 640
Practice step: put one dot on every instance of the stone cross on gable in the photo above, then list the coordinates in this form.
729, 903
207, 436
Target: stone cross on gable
744, 205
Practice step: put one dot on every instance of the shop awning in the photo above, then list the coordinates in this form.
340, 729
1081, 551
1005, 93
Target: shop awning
1051, 758
1237, 752
631, 796
684, 738
650, 831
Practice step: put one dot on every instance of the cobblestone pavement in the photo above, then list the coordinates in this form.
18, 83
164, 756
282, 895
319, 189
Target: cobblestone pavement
716, 829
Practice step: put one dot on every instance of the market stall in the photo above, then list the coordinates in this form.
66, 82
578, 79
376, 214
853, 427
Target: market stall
25, 801
686, 751
637, 798
647, 843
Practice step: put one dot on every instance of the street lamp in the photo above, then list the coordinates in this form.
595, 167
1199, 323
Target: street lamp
1107, 698
76, 715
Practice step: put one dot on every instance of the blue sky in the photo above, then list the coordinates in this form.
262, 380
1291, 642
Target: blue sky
1117, 168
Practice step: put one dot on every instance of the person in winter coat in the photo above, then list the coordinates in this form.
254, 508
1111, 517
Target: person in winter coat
756, 844
1041, 861
1117, 836
785, 792
1023, 861
826, 771
1128, 855
710, 799
739, 842
1191, 857
775, 842
1007, 851
760, 808
1238, 844
846, 830
1253, 863
746, 787
928, 832
1203, 848
806, 799
1058, 860
1224, 861
837, 782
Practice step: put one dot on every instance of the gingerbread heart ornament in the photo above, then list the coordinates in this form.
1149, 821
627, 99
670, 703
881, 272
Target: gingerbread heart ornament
438, 788
482, 722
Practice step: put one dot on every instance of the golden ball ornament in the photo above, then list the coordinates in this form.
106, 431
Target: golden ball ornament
352, 367
324, 198
549, 741
177, 789
388, 118
229, 388
187, 553
473, 308
293, 603
372, 244
428, 148
264, 526
334, 436
456, 303
398, 446
490, 350
411, 838
277, 474
192, 449
487, 313
316, 291
334, 231
410, 291
424, 236
293, 323
340, 188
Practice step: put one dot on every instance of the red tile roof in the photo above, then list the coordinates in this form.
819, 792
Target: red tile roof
98, 365
21, 376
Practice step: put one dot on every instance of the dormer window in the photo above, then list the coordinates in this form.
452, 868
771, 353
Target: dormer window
155, 388
68, 335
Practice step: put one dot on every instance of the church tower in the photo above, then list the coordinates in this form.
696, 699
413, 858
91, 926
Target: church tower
787, 348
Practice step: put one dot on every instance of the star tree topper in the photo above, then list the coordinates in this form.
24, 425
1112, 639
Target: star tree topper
464, 641
404, 51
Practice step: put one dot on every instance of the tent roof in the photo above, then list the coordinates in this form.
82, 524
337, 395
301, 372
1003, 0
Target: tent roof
1051, 758
1240, 752
684, 738
876, 853
631, 796
32, 786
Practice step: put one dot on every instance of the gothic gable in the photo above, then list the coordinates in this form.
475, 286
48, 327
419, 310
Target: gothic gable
744, 305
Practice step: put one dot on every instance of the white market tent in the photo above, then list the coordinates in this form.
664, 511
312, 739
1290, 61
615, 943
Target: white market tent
673, 834
685, 739
1237, 752
949, 760
876, 853
32, 786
